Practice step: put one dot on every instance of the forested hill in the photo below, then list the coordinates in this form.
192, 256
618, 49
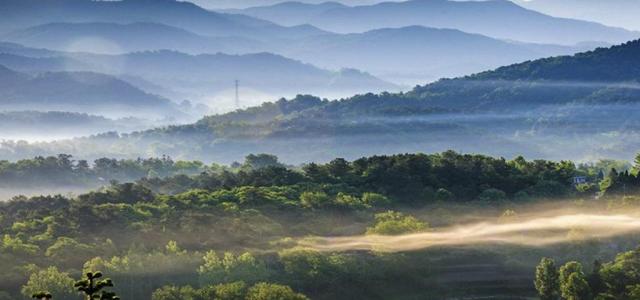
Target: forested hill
539, 82
555, 118
84, 92
618, 63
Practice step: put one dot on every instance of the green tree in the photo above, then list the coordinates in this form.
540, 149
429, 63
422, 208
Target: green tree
636, 164
175, 293
348, 201
314, 199
622, 273
50, 280
373, 199
266, 291
225, 291
576, 287
393, 223
230, 268
565, 272
546, 281
260, 161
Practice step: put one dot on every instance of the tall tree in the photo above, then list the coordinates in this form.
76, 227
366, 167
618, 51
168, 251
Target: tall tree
546, 281
576, 287
93, 287
565, 273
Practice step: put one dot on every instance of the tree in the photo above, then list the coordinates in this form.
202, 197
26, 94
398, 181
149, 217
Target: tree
93, 287
174, 293
622, 273
231, 268
49, 281
546, 281
225, 291
373, 199
636, 164
393, 223
256, 162
314, 199
565, 272
266, 291
576, 287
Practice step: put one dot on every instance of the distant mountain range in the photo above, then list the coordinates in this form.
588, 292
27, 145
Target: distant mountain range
408, 42
20, 14
83, 92
177, 75
560, 108
419, 54
495, 18
112, 38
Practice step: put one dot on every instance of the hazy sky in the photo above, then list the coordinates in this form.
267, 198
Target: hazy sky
620, 13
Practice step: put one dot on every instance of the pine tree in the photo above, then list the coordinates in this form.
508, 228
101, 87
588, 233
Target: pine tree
93, 287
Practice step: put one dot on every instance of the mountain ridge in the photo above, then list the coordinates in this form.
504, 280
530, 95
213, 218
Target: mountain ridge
498, 19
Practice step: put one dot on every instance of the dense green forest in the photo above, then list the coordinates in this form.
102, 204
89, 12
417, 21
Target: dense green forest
614, 64
64, 170
232, 231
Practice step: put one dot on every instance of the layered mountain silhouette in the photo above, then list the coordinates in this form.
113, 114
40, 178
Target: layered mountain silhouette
113, 38
542, 108
83, 92
495, 18
404, 55
177, 75
20, 14
419, 53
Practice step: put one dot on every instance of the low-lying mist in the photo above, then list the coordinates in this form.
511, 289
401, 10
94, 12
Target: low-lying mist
542, 229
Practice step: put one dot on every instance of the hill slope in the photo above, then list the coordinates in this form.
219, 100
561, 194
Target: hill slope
288, 13
208, 77
112, 38
79, 92
419, 53
515, 115
617, 63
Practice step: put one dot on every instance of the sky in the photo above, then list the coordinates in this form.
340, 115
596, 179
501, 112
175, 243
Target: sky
619, 13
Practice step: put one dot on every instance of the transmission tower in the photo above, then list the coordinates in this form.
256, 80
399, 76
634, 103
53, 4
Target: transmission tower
237, 100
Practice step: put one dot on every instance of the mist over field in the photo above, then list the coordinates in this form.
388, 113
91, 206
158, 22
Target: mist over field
295, 150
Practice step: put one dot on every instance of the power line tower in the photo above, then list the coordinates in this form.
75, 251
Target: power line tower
237, 100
